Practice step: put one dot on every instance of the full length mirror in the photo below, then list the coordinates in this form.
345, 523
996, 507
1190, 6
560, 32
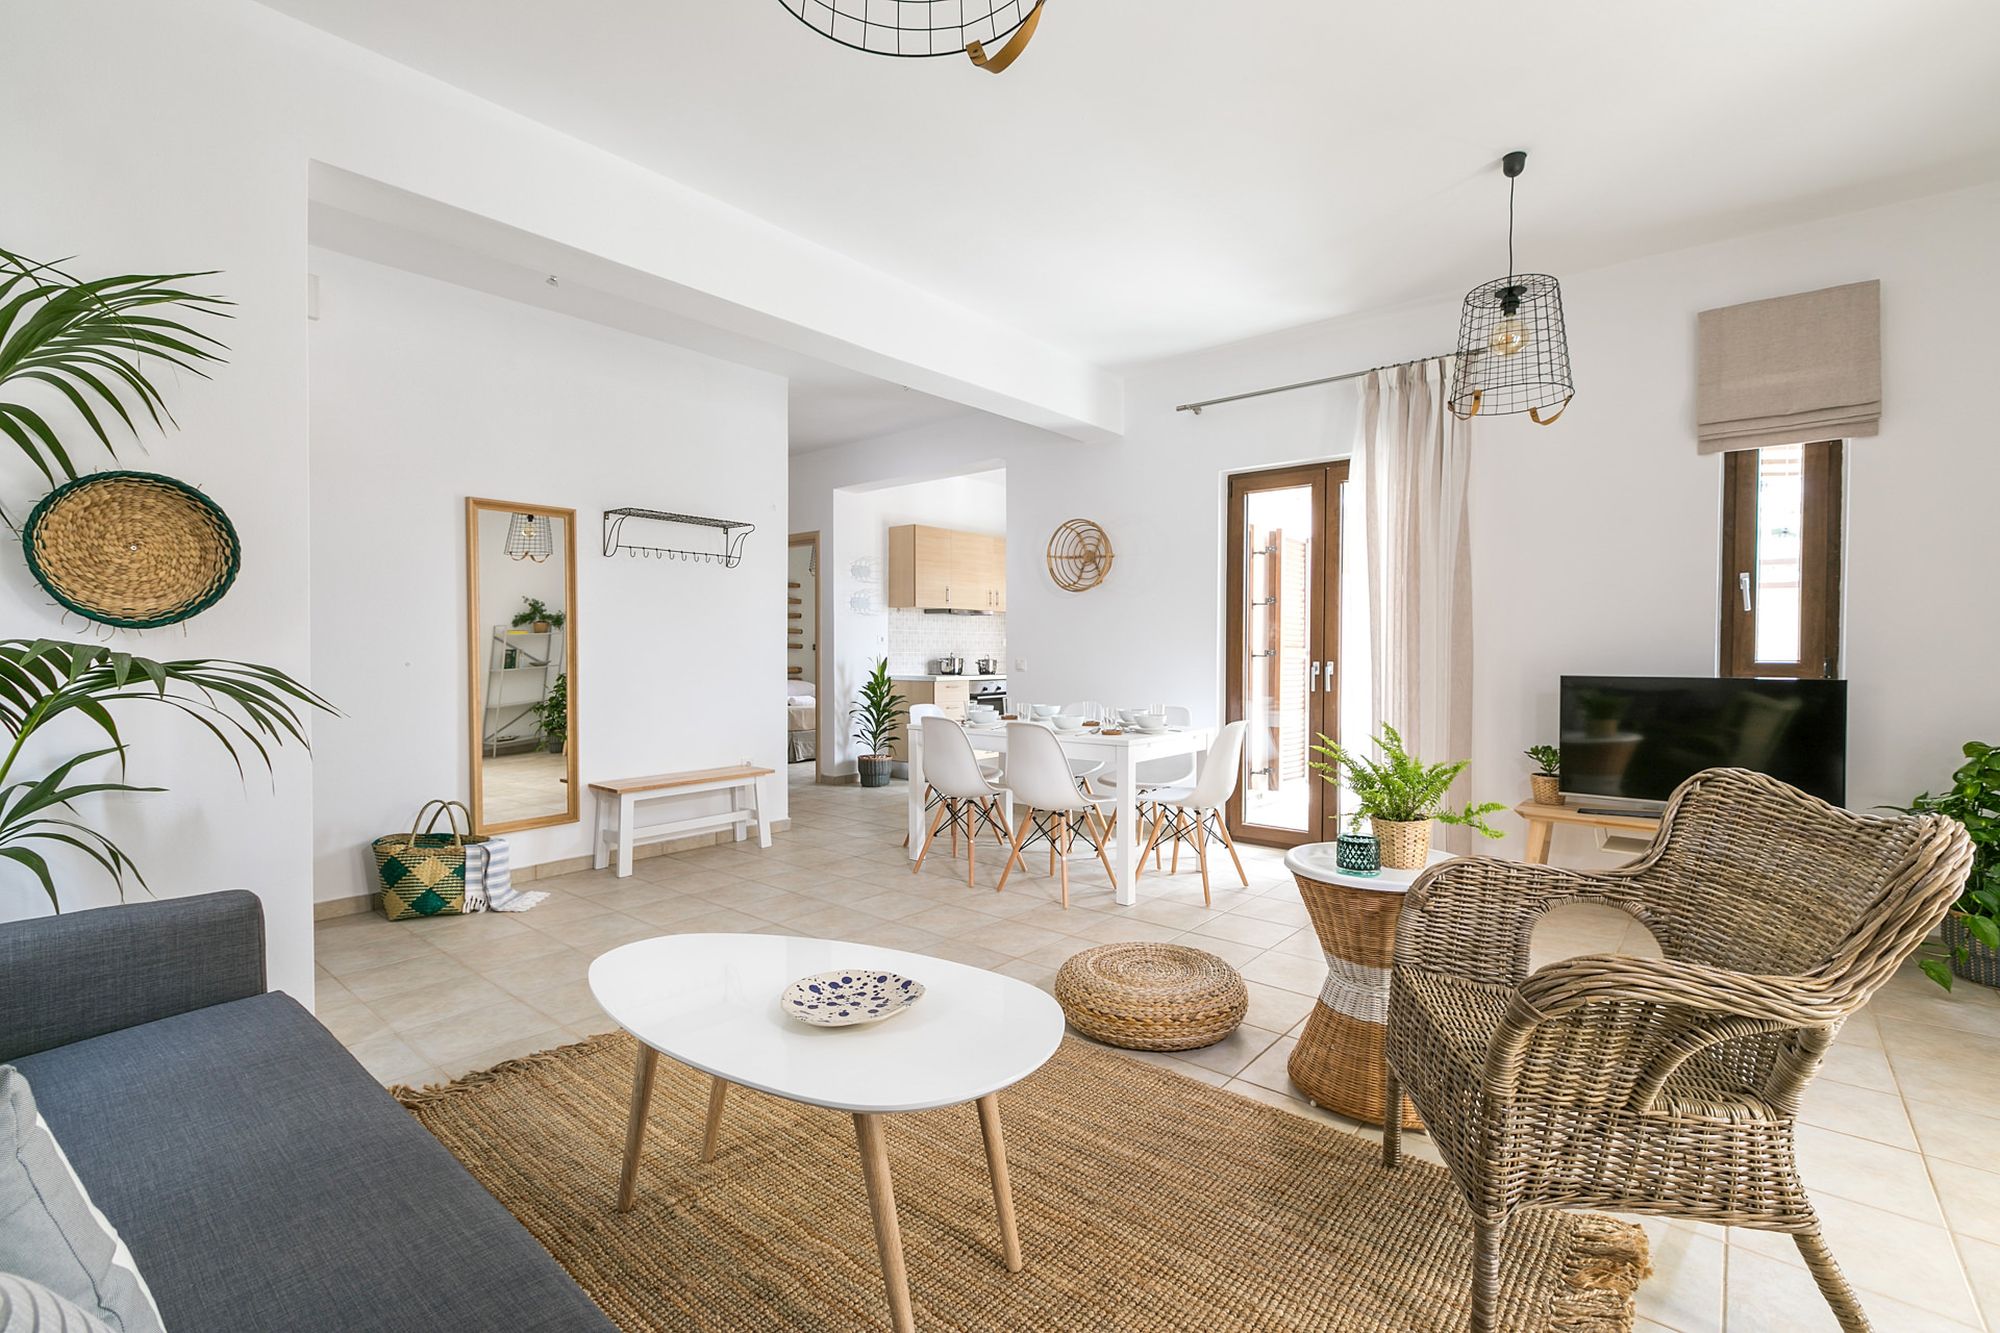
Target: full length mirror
520, 569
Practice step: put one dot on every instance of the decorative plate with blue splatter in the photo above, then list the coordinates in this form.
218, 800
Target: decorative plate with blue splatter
842, 999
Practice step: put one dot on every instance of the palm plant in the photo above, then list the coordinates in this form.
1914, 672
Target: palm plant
1400, 788
879, 713
248, 709
98, 343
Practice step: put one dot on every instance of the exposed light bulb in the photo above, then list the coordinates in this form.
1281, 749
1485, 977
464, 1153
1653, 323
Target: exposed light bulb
1509, 336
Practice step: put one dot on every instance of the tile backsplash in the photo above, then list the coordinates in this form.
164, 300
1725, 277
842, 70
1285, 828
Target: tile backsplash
916, 639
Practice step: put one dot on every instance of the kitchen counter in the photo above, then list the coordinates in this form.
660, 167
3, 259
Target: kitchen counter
966, 676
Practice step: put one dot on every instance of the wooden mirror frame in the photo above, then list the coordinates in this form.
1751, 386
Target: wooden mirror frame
476, 653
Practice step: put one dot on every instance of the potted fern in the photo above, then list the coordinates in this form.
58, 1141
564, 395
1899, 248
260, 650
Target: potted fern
1401, 796
875, 721
1971, 935
1546, 781
552, 717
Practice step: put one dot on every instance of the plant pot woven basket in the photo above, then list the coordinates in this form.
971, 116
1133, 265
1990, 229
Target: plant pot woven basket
1547, 790
1406, 844
1981, 963
131, 549
1151, 997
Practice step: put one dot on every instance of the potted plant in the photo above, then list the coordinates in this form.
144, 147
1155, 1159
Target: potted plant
1972, 931
552, 716
1401, 796
1546, 781
537, 617
875, 722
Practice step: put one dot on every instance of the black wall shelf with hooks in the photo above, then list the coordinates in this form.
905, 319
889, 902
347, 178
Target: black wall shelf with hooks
730, 538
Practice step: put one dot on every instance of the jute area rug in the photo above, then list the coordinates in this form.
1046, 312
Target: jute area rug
1146, 1201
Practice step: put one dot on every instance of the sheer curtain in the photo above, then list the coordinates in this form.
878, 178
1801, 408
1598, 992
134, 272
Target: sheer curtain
1412, 464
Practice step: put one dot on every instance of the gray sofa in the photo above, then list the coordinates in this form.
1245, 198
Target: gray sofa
262, 1178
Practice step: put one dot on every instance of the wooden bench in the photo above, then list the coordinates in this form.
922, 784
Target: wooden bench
618, 801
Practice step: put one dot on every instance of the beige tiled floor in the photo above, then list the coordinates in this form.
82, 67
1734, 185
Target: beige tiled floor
1899, 1131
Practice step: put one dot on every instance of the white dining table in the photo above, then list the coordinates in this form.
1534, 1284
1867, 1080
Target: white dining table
1122, 754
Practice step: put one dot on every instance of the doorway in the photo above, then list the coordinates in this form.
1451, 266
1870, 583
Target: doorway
1283, 573
802, 655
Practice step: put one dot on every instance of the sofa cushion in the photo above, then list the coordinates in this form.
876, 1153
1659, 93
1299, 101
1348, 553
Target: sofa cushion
265, 1182
30, 1307
50, 1232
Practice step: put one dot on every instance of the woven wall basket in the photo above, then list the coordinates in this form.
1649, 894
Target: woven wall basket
132, 549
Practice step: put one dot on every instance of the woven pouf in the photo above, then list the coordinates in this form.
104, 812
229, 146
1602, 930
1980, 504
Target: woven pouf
1151, 997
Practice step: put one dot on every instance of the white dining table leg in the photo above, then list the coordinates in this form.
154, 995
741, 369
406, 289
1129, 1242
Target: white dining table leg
916, 793
1125, 854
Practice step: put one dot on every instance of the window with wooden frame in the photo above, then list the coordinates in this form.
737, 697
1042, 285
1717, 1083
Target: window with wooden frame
1781, 525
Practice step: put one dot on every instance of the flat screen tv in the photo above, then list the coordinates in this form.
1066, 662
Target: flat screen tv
1633, 739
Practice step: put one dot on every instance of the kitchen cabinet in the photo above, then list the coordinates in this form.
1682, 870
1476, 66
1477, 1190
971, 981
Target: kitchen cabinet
940, 569
950, 695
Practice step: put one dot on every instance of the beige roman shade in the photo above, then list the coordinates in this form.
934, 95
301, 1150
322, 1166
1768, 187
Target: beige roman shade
1791, 370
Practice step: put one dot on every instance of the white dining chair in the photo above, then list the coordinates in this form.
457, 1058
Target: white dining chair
989, 766
1083, 770
1051, 806
1195, 815
965, 797
1150, 775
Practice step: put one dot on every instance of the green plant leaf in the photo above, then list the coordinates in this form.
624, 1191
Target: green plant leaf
1984, 929
96, 343
1935, 969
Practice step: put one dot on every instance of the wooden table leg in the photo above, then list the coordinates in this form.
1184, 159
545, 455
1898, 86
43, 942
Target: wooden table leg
1003, 1189
882, 1207
635, 1125
717, 1090
1540, 833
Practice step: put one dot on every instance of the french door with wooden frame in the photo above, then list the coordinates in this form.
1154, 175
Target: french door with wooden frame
1282, 609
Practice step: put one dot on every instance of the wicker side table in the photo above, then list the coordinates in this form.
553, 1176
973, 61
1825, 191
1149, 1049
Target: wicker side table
1338, 1061
1151, 997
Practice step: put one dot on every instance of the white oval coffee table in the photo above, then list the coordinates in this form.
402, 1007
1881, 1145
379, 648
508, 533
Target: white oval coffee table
711, 1002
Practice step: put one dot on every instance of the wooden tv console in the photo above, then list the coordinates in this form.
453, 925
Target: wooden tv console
1542, 821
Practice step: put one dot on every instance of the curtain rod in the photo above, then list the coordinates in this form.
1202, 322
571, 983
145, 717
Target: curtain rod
1304, 384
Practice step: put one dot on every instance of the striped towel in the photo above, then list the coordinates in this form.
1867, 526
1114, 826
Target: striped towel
489, 879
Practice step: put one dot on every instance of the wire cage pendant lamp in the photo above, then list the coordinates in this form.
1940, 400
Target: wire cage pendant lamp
529, 538
993, 33
1513, 352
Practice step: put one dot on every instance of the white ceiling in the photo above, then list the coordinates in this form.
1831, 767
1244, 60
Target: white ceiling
1159, 175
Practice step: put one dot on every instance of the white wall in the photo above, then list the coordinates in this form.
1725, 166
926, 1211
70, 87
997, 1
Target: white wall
424, 393
1613, 494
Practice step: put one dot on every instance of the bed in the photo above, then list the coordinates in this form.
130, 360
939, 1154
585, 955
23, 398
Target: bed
801, 722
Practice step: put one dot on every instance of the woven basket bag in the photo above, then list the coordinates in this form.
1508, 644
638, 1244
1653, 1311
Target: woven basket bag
423, 873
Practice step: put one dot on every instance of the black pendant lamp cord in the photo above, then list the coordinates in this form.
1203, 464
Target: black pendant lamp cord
1512, 181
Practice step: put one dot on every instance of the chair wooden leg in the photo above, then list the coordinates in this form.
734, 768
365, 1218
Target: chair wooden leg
929, 838
1175, 867
1201, 855
1014, 852
1104, 836
971, 843
1392, 1125
953, 806
1486, 1237
635, 1125
711, 1132
1832, 1282
1222, 827
1065, 839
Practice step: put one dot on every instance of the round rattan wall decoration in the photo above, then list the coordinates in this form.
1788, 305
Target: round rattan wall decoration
1079, 555
131, 549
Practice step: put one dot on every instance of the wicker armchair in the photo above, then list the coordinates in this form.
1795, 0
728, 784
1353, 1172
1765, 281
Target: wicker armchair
1666, 1085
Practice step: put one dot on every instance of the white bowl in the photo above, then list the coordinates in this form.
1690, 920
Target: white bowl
1066, 721
1045, 710
1150, 722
